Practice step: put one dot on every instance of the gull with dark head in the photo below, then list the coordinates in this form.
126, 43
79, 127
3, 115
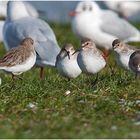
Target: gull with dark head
123, 52
101, 26
66, 62
19, 26
134, 63
20, 58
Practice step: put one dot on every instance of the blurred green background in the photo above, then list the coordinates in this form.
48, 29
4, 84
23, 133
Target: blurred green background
34, 108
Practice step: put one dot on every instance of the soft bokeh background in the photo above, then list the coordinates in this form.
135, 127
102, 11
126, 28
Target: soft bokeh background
57, 11
42, 109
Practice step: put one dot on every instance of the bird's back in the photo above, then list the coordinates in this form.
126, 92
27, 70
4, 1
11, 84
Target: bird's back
44, 37
117, 26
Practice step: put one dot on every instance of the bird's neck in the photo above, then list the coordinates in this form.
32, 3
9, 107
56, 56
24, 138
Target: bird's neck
14, 13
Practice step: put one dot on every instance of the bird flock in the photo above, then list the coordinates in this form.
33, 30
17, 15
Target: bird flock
30, 41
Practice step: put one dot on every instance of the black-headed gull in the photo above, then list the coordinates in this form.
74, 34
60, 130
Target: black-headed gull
101, 26
21, 25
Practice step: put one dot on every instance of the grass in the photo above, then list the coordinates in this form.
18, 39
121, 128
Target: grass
106, 110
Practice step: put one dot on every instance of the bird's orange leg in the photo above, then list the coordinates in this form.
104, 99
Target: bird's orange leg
106, 54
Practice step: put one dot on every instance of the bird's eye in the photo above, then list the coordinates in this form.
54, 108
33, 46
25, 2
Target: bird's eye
90, 8
87, 43
84, 8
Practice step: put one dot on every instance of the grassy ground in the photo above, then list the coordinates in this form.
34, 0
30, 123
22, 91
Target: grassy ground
42, 109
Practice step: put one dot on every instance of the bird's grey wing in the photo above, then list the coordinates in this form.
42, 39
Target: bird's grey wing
45, 41
48, 54
117, 26
13, 57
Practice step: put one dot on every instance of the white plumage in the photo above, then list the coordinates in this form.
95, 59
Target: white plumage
101, 26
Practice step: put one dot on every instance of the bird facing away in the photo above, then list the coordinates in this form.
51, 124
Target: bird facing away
19, 26
101, 26
134, 63
90, 59
20, 58
123, 52
66, 62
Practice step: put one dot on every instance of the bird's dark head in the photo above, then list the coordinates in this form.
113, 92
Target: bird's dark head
116, 44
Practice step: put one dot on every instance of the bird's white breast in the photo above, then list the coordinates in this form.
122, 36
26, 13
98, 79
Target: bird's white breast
123, 59
91, 63
68, 67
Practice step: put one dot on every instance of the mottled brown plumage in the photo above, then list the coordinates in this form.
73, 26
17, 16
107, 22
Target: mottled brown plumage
18, 54
19, 59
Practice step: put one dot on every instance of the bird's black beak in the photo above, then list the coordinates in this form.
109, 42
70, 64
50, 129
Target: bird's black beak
68, 53
76, 51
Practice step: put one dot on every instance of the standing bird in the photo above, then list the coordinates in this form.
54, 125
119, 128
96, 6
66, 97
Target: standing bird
90, 59
19, 59
66, 62
19, 26
123, 52
101, 26
134, 63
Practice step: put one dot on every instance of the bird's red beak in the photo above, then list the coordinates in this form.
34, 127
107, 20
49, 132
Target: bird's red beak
73, 13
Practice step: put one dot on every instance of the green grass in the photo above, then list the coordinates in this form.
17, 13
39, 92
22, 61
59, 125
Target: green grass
106, 110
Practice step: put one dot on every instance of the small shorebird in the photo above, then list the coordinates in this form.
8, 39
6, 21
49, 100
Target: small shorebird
19, 25
134, 63
19, 59
66, 62
90, 59
123, 52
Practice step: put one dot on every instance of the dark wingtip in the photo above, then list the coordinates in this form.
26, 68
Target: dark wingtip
116, 41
